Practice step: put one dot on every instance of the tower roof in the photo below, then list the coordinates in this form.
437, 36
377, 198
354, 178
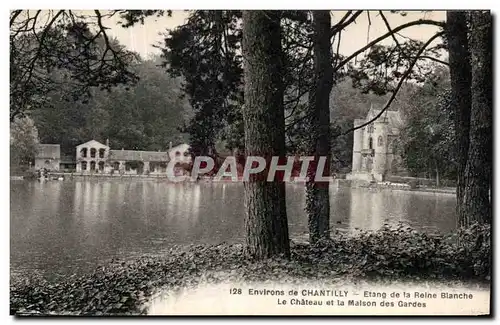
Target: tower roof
390, 116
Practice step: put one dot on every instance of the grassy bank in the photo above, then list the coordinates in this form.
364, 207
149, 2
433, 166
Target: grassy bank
124, 287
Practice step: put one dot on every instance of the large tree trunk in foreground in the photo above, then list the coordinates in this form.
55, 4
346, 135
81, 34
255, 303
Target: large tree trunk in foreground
478, 172
317, 193
265, 209
460, 76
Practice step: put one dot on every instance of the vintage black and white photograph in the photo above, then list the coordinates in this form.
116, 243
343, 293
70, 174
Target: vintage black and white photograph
250, 162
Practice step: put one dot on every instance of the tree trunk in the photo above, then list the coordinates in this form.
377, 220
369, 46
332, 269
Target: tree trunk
460, 77
265, 209
317, 193
478, 172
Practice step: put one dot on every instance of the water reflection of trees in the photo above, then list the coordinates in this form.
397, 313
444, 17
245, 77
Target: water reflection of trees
371, 209
433, 211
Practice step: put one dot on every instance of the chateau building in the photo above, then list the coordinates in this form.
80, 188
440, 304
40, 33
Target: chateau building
374, 155
95, 157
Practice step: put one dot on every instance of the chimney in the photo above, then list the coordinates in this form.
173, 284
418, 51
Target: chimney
170, 146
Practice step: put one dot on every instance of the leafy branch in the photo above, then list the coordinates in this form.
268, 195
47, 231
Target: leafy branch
400, 83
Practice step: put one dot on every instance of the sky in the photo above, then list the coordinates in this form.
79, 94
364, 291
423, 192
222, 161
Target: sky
141, 38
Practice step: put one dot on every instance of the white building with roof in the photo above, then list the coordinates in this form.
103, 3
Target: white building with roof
95, 157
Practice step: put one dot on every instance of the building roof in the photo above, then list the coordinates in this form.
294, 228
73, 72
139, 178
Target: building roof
52, 151
92, 143
131, 155
392, 117
181, 146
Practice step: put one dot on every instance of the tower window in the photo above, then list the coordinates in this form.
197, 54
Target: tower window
380, 141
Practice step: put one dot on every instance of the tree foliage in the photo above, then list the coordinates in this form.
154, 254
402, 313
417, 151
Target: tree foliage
74, 44
206, 52
23, 142
427, 140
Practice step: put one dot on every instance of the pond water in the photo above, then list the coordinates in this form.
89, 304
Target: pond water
63, 227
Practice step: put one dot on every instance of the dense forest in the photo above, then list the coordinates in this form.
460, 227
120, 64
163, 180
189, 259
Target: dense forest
143, 116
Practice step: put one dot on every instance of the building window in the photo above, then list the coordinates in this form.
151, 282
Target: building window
370, 128
380, 141
92, 153
83, 152
92, 165
370, 143
101, 165
101, 153
84, 165
116, 165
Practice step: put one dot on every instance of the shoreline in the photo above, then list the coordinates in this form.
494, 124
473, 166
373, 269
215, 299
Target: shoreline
338, 183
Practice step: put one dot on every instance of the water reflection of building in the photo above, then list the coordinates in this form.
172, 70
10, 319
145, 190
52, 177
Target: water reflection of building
90, 201
77, 198
195, 200
371, 209
105, 199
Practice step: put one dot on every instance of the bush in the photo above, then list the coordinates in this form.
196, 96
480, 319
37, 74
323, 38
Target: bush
403, 251
472, 254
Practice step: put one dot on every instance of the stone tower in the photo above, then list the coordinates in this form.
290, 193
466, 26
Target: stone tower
357, 146
372, 154
381, 127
